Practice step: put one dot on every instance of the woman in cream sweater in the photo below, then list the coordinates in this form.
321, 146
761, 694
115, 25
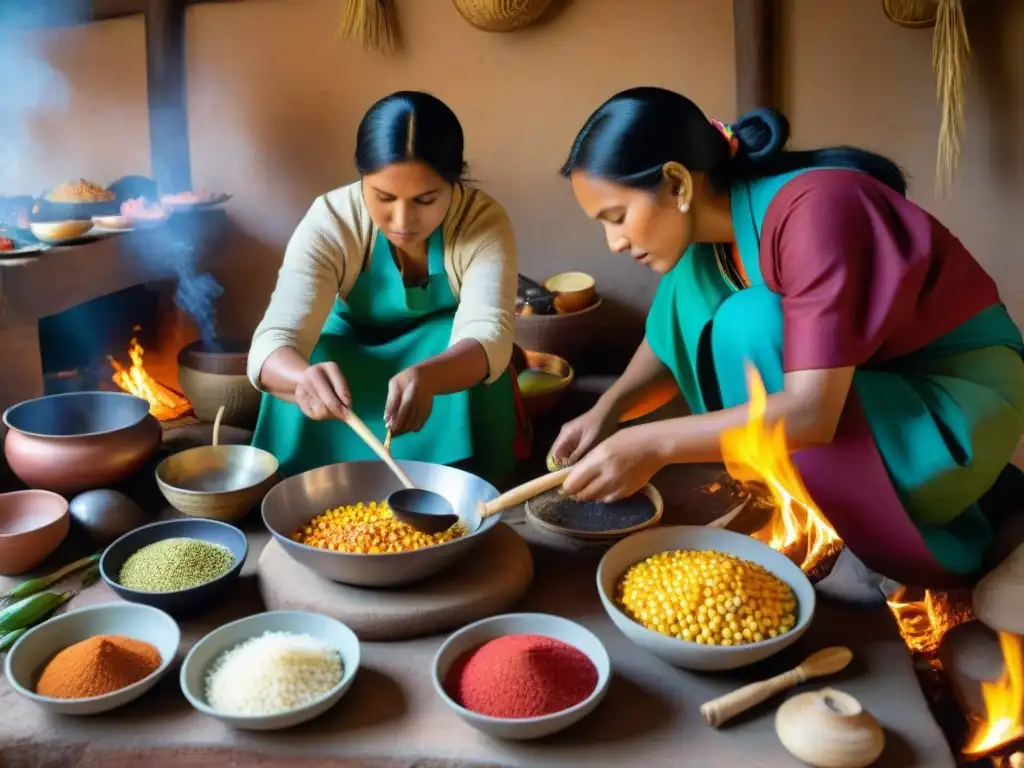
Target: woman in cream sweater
395, 299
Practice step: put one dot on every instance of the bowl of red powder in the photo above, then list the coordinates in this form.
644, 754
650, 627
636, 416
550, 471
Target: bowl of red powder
94, 659
522, 675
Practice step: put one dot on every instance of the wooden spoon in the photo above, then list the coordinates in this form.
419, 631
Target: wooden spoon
522, 493
827, 661
377, 447
216, 426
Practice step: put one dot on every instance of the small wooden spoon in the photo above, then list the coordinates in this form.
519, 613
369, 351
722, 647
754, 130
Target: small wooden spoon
522, 493
377, 447
827, 661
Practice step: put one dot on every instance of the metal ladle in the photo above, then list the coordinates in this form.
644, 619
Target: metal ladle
417, 507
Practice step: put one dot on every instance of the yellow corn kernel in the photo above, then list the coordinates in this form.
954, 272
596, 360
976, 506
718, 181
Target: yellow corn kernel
707, 597
368, 529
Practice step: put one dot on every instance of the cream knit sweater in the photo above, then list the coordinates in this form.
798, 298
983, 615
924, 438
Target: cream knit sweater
326, 253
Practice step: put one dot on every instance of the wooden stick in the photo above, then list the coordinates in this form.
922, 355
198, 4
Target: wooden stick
524, 492
377, 447
216, 426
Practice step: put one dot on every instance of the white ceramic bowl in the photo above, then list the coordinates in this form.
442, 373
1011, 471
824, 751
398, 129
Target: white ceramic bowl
37, 646
681, 653
205, 652
480, 632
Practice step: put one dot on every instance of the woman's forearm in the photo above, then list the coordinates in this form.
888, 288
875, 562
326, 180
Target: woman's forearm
644, 377
809, 407
282, 371
460, 367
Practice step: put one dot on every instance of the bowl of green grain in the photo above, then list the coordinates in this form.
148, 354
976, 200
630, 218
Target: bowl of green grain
178, 566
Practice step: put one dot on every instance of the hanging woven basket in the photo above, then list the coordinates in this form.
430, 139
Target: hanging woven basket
950, 54
501, 15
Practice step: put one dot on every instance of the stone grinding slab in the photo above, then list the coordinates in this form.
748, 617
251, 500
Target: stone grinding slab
490, 580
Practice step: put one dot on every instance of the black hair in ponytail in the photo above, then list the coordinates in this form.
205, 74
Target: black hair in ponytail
636, 132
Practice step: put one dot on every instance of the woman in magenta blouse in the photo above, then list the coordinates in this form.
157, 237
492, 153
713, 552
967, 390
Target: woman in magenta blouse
881, 341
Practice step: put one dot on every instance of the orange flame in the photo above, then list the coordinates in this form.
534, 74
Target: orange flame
923, 623
164, 403
1003, 722
758, 453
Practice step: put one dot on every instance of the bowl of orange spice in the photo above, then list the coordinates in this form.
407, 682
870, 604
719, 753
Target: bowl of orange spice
94, 659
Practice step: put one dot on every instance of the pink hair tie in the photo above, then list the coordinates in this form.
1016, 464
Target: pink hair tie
726, 130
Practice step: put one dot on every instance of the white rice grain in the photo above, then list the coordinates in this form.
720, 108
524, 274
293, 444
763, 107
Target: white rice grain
272, 673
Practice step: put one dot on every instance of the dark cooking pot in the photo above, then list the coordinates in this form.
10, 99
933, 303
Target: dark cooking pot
79, 440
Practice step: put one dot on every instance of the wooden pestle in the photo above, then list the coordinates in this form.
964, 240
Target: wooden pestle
523, 492
827, 661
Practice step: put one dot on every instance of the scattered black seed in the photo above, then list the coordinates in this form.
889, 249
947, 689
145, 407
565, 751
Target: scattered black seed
592, 516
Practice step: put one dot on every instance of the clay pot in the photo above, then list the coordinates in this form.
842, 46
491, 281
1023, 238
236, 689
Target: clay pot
212, 374
32, 526
554, 376
829, 729
77, 441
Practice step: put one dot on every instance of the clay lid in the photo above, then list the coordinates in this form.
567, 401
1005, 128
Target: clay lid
224, 356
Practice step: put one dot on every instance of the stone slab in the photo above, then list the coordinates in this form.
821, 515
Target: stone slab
492, 578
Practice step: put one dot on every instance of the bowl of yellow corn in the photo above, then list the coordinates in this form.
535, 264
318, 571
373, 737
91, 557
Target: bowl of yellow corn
335, 521
704, 598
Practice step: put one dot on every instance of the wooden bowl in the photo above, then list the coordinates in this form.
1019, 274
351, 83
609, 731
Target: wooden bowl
59, 231
543, 382
32, 525
573, 291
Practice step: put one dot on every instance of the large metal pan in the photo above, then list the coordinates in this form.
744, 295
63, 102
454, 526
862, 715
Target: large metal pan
295, 501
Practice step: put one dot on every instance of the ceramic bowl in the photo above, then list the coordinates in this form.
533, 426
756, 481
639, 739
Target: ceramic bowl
37, 646
32, 526
217, 482
77, 441
557, 375
203, 654
681, 653
297, 500
183, 601
480, 632
58, 231
573, 291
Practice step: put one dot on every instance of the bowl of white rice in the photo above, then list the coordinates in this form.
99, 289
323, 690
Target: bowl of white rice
272, 670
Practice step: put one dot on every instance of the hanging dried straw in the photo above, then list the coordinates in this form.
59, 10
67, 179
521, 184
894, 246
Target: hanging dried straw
951, 51
372, 22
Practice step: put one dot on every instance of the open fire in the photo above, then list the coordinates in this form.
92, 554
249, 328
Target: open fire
923, 623
757, 454
1002, 723
164, 403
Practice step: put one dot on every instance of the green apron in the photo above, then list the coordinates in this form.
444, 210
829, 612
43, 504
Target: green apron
922, 438
382, 328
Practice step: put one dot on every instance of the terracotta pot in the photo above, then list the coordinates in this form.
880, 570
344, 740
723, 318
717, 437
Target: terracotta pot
539, 404
212, 374
32, 526
80, 440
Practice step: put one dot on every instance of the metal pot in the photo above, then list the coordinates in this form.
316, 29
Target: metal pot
79, 440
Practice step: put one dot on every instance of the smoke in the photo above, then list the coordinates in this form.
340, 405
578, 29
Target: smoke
30, 88
33, 90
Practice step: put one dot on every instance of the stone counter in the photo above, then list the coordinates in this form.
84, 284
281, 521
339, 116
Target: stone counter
391, 717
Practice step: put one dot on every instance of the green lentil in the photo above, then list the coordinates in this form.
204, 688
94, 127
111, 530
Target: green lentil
174, 564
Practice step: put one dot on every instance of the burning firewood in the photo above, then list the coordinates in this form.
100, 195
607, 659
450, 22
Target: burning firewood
986, 672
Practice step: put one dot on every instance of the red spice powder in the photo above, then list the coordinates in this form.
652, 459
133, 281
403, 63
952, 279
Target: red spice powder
520, 676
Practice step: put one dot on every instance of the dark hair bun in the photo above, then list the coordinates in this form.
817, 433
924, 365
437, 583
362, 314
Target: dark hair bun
761, 133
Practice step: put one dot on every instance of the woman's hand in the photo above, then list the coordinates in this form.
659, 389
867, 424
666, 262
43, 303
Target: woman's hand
410, 401
322, 392
581, 434
617, 468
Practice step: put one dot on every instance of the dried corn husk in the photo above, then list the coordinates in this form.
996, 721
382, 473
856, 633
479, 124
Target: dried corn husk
501, 15
372, 22
950, 54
